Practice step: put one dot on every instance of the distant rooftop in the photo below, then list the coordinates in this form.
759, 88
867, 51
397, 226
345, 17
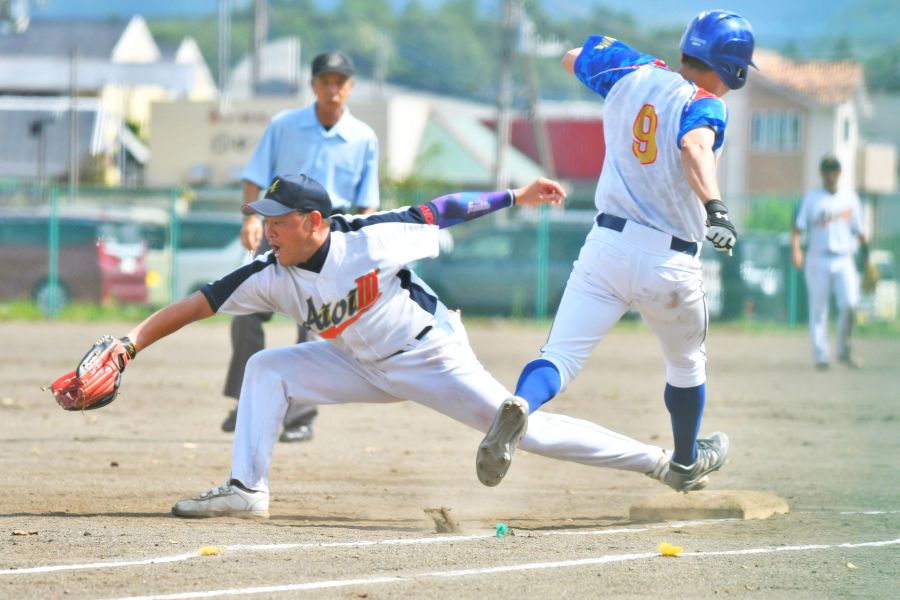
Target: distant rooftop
95, 39
825, 81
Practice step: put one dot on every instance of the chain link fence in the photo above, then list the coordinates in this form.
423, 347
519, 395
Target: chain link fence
152, 246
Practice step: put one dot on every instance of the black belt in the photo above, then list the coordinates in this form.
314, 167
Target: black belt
419, 336
618, 224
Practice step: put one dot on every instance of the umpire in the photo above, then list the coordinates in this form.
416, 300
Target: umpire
333, 147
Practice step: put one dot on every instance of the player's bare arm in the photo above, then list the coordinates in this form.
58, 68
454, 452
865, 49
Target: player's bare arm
252, 230
699, 164
170, 319
796, 249
96, 379
540, 191
568, 60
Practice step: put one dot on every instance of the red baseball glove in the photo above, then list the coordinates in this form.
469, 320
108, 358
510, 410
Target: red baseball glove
95, 381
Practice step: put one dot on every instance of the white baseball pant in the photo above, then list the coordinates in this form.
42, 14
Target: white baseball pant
822, 271
440, 372
635, 267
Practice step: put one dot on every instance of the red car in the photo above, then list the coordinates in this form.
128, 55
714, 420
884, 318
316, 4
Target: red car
101, 258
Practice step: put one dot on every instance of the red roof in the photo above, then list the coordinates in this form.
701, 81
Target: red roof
577, 145
825, 81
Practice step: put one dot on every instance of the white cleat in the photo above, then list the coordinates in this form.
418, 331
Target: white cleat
224, 501
496, 449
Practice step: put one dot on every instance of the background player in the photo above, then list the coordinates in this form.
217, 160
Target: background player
332, 146
384, 334
658, 195
831, 218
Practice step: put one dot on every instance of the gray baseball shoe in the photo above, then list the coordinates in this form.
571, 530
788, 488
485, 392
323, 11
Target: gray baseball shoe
712, 453
224, 501
496, 449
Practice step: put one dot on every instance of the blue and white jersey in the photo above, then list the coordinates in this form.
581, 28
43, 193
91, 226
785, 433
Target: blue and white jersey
344, 158
648, 109
355, 292
832, 222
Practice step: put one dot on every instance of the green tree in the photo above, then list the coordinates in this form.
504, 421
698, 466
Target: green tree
883, 70
843, 49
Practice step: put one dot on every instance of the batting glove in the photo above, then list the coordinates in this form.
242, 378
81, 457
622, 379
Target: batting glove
719, 231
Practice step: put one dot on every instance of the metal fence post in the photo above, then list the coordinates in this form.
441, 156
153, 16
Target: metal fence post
53, 290
543, 264
174, 236
793, 292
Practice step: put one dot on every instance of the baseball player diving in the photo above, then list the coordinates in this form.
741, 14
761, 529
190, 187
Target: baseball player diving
384, 335
658, 197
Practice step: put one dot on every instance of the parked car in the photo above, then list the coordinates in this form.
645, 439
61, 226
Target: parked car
492, 269
101, 258
209, 247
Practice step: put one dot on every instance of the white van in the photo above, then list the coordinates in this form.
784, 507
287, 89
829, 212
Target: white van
209, 247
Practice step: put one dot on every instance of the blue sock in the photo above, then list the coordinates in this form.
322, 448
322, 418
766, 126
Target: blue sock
538, 383
686, 409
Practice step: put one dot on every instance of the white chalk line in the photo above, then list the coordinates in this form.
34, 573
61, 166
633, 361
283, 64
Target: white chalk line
869, 512
362, 543
354, 544
314, 585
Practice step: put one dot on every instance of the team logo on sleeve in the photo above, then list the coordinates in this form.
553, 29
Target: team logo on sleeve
331, 319
606, 42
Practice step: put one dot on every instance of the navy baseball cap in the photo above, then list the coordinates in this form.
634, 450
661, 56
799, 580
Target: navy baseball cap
332, 62
829, 164
289, 193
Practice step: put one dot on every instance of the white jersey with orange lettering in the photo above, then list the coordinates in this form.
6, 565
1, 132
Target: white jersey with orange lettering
385, 337
648, 109
832, 223
356, 275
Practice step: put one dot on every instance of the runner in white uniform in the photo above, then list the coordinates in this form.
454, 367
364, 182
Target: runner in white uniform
657, 197
385, 335
831, 218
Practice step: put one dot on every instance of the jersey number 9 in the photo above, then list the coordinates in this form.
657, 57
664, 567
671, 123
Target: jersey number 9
644, 130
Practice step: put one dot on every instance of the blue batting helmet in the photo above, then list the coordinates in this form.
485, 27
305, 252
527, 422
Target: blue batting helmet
724, 41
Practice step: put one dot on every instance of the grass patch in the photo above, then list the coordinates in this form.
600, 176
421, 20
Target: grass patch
870, 329
80, 313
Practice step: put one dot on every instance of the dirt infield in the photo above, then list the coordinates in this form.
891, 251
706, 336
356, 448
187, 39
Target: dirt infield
348, 516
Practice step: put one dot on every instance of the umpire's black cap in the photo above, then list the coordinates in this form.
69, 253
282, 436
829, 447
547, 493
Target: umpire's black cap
829, 164
289, 193
332, 62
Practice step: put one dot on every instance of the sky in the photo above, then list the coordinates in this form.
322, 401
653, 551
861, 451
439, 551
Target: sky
775, 21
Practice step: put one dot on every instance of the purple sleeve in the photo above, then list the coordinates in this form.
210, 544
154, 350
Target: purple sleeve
454, 209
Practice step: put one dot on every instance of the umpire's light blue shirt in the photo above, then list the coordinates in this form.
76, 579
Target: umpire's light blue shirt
344, 159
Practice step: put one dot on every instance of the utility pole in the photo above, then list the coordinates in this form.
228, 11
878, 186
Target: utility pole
74, 162
538, 126
504, 93
382, 53
224, 39
260, 34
